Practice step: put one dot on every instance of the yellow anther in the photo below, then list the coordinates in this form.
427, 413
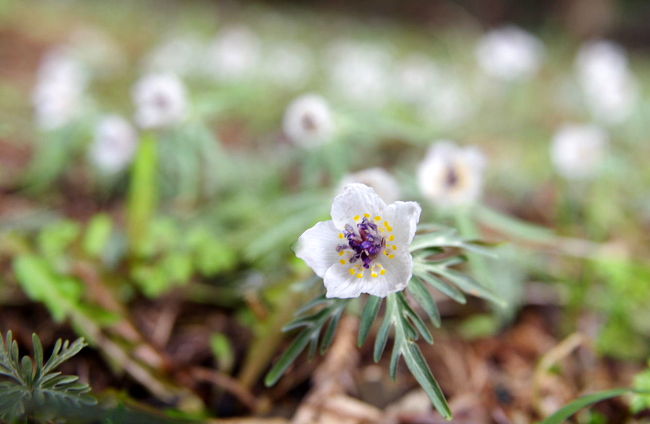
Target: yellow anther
382, 272
359, 275
341, 235
343, 261
367, 215
391, 256
394, 247
357, 217
341, 253
391, 238
374, 275
353, 271
378, 218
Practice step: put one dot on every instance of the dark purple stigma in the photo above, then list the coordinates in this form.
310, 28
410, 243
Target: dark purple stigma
366, 242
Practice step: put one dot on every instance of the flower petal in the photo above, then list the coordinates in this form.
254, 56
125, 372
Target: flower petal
317, 246
356, 200
340, 283
404, 217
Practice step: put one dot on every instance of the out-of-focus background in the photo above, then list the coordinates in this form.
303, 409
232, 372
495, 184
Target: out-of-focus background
159, 159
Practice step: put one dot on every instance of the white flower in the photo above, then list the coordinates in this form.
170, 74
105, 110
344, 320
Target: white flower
59, 92
113, 145
384, 184
449, 104
509, 53
160, 100
365, 247
417, 77
578, 150
234, 54
308, 121
360, 73
611, 90
288, 64
182, 55
451, 176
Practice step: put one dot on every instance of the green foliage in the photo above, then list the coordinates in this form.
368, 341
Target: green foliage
97, 235
641, 399
222, 349
624, 300
33, 388
170, 255
59, 292
434, 255
567, 411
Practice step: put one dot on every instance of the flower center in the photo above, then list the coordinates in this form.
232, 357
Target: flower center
365, 243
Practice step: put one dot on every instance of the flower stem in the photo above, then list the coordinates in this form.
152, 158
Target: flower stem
143, 194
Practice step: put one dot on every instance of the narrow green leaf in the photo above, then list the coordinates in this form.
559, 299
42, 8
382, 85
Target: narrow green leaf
287, 358
422, 373
471, 286
368, 318
328, 337
27, 370
424, 298
568, 410
394, 357
384, 331
313, 320
313, 343
408, 312
320, 300
443, 287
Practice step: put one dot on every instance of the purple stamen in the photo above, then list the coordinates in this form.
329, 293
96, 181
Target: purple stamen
366, 242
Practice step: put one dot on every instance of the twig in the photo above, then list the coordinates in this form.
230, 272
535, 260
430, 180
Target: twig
227, 383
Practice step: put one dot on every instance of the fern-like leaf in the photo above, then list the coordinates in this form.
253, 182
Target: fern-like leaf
30, 387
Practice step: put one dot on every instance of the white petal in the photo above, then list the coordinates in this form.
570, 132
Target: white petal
403, 217
356, 200
317, 246
340, 283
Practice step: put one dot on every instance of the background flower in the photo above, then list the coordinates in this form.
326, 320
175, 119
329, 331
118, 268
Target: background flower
160, 100
114, 144
450, 175
578, 150
308, 121
509, 53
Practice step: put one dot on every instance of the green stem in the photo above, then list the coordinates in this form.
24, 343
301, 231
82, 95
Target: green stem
465, 221
143, 194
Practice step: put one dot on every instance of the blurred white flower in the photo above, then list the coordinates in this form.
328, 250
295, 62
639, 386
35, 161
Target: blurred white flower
288, 64
114, 144
610, 88
359, 72
308, 121
182, 55
577, 151
234, 54
59, 92
451, 176
365, 247
509, 53
384, 184
160, 100
416, 76
449, 104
